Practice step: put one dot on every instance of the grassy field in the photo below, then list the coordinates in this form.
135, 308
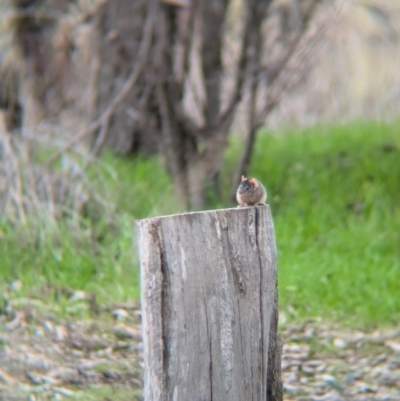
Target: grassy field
335, 195
335, 198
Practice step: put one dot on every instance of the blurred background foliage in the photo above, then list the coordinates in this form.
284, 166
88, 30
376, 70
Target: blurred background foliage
117, 110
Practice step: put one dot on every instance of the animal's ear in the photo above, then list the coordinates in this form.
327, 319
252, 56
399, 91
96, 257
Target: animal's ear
243, 178
254, 182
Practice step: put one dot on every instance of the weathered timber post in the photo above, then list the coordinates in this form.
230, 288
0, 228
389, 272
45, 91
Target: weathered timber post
209, 306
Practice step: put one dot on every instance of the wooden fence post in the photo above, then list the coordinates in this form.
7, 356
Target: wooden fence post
209, 306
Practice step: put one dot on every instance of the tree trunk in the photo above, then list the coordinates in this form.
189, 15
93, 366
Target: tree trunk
209, 302
134, 126
10, 106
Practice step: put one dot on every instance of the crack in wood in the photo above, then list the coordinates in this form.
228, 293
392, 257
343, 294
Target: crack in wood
165, 300
257, 213
237, 270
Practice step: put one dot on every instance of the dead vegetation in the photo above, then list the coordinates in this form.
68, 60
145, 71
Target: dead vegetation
70, 64
47, 356
30, 191
175, 79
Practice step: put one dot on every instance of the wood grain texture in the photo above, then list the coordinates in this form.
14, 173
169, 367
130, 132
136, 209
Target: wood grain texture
209, 303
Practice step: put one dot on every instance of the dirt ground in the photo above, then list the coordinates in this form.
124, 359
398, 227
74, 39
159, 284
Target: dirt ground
44, 356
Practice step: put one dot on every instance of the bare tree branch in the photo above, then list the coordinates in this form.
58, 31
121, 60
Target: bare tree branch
240, 73
254, 67
167, 94
272, 74
213, 19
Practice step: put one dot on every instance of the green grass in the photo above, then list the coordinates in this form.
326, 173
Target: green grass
51, 260
335, 198
97, 254
139, 187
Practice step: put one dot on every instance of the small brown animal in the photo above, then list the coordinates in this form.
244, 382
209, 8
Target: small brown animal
251, 192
